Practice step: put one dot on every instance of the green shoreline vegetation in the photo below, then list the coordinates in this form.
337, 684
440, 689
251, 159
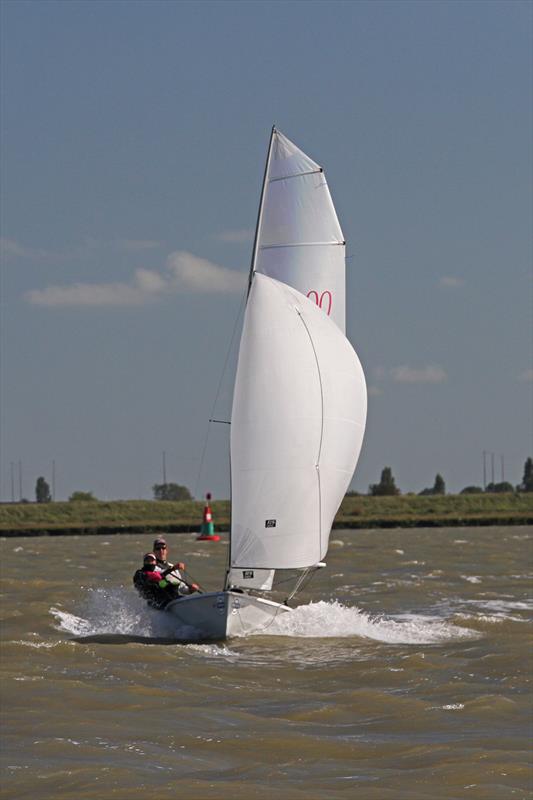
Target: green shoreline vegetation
356, 511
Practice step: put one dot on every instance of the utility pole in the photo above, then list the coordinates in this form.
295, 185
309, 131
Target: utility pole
484, 471
164, 468
492, 466
501, 463
12, 481
20, 480
53, 480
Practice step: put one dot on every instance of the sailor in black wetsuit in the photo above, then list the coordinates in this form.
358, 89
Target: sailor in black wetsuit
158, 586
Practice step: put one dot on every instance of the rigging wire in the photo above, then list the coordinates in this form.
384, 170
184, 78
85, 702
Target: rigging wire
243, 301
217, 393
280, 582
305, 578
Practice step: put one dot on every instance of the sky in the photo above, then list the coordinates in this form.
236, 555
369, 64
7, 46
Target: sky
133, 142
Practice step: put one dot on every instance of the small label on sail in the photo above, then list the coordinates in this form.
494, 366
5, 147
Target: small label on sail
251, 578
270, 523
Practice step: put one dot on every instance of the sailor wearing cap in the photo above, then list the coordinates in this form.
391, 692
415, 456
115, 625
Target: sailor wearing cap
160, 549
161, 554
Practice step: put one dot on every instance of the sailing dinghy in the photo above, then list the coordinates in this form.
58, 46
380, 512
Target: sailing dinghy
299, 403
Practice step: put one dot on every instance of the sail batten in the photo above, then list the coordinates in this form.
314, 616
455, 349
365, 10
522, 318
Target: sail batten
296, 175
301, 244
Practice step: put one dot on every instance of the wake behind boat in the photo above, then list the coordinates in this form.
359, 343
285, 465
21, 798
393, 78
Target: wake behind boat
299, 403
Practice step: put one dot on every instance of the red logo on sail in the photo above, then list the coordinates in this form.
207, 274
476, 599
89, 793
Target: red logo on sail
323, 301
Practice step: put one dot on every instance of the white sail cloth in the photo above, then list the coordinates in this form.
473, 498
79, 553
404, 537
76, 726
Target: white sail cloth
298, 419
300, 241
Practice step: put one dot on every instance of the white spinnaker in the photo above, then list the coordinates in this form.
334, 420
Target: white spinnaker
298, 418
300, 241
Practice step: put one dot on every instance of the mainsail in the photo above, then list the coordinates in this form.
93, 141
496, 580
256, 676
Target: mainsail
299, 405
299, 239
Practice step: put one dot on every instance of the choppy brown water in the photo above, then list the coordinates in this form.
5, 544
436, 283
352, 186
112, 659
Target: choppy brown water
407, 678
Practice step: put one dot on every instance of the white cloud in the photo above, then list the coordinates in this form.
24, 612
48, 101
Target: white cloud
451, 282
193, 274
429, 374
87, 294
237, 237
149, 281
526, 376
185, 273
374, 391
9, 247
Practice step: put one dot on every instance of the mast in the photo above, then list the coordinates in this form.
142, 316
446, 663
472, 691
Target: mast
250, 278
260, 211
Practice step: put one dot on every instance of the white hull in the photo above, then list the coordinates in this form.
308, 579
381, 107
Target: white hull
218, 615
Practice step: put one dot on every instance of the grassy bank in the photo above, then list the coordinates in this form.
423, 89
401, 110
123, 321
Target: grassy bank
356, 512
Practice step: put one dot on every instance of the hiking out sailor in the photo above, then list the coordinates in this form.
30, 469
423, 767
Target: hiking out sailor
148, 580
160, 587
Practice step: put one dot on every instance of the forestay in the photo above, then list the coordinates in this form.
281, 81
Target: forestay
299, 239
298, 420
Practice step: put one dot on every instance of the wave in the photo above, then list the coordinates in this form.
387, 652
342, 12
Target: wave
334, 620
497, 610
118, 615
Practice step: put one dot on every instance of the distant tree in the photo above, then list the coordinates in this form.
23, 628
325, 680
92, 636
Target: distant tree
386, 486
527, 480
42, 491
170, 491
82, 497
495, 488
439, 487
471, 490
